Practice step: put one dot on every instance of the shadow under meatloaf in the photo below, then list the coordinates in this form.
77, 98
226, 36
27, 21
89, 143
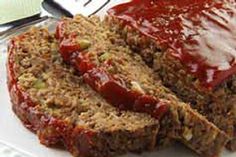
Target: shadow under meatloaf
217, 104
88, 44
51, 100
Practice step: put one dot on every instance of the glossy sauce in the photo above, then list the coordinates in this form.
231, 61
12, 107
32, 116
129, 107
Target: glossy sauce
35, 120
199, 33
113, 90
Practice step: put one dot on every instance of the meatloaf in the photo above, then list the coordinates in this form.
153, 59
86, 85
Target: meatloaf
51, 100
107, 65
191, 46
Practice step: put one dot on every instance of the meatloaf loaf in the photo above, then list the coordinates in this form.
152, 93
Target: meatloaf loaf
191, 45
122, 78
51, 100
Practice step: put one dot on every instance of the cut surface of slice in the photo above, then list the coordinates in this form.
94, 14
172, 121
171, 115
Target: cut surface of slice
51, 100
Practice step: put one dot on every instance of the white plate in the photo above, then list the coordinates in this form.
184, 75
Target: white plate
17, 141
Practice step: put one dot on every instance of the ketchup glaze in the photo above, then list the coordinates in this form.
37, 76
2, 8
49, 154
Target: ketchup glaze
114, 90
201, 34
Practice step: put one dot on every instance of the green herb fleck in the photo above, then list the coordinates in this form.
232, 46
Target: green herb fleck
39, 84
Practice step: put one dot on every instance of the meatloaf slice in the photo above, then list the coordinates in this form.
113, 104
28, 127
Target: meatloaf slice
191, 46
122, 78
52, 101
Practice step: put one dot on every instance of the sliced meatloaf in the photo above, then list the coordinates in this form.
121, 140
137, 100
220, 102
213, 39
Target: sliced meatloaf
191, 45
107, 64
51, 100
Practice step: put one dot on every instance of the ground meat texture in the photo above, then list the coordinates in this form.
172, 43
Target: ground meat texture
51, 100
180, 122
217, 104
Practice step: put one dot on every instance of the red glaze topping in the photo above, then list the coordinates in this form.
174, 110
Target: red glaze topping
115, 90
199, 33
68, 46
37, 121
112, 89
